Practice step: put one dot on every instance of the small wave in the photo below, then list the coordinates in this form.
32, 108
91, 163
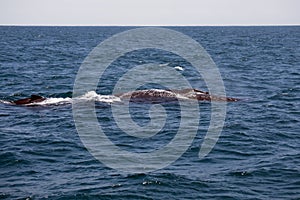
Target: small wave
179, 68
163, 64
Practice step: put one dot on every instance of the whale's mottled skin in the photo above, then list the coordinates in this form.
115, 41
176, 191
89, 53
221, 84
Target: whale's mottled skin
156, 95
148, 96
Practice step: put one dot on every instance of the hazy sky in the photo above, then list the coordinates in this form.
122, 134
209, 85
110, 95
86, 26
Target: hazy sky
150, 12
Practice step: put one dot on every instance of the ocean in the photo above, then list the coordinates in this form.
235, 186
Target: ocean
257, 155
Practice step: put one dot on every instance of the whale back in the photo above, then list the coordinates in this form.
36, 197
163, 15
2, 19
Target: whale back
157, 96
32, 99
149, 96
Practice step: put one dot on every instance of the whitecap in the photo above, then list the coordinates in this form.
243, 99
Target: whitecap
179, 68
163, 64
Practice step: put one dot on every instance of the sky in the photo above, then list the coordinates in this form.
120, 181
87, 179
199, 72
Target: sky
149, 12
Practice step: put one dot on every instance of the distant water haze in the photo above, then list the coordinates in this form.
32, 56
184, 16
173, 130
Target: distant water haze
154, 13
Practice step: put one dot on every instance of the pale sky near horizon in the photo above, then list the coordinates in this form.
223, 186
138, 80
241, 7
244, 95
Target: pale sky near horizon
150, 12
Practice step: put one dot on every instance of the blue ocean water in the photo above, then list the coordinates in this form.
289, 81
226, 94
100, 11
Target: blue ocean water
256, 157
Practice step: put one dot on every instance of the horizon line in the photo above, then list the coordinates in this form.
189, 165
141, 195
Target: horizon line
159, 25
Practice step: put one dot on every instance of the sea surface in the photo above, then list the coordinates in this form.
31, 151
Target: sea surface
257, 155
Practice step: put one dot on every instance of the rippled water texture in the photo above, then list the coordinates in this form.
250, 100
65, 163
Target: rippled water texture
256, 157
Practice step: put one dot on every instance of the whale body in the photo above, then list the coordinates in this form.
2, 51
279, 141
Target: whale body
32, 99
148, 96
156, 95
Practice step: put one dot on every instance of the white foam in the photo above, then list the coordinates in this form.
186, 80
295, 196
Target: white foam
5, 102
53, 101
92, 95
179, 68
89, 96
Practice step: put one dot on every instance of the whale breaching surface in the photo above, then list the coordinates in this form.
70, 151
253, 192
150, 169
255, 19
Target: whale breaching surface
158, 95
143, 96
32, 99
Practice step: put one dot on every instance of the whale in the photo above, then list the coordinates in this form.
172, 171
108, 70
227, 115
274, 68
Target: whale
148, 96
32, 99
157, 96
